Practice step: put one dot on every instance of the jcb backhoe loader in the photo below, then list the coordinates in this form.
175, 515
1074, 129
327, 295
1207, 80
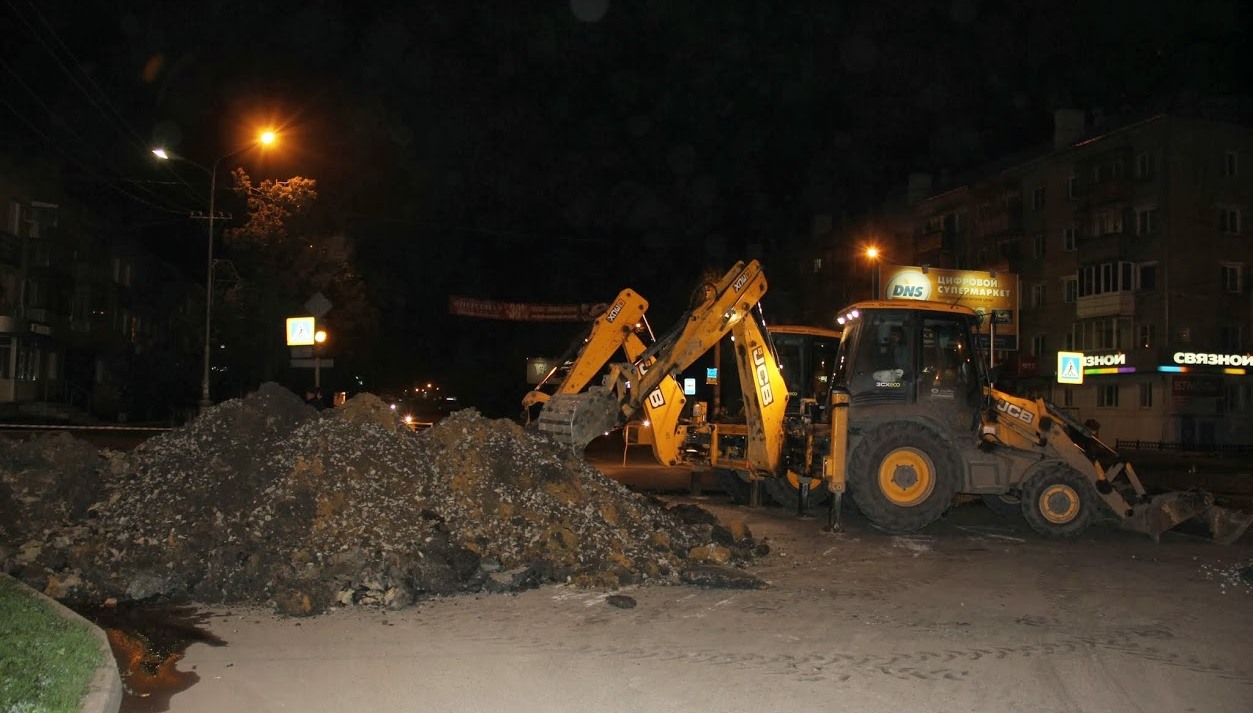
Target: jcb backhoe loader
618, 328
916, 421
911, 420
750, 447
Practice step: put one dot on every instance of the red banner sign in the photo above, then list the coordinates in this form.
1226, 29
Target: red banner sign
523, 311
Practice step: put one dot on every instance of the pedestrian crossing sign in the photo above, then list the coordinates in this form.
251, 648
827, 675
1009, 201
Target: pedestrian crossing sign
1070, 367
300, 331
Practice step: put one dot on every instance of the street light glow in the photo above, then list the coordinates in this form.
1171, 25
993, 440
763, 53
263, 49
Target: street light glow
161, 154
872, 253
319, 336
267, 137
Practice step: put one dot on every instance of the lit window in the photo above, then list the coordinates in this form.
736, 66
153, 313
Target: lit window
1107, 221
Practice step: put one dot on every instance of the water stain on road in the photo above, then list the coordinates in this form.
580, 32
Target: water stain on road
148, 641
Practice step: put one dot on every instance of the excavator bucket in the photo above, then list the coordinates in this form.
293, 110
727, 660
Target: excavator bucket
1190, 511
578, 419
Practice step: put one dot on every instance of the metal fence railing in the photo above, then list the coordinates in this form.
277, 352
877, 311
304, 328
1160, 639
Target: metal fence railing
1182, 447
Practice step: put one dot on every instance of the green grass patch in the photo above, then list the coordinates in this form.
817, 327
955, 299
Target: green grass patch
46, 662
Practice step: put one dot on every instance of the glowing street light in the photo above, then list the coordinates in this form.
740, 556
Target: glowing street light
319, 337
872, 256
266, 138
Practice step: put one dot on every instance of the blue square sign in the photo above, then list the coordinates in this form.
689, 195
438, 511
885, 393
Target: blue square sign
1070, 367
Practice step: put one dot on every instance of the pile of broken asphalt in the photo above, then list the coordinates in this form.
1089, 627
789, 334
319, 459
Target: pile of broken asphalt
264, 500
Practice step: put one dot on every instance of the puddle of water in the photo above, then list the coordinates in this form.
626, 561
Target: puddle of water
148, 640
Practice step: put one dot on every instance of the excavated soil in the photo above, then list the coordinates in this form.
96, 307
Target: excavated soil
264, 500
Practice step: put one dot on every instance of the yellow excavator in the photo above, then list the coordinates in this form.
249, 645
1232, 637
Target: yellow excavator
782, 371
910, 419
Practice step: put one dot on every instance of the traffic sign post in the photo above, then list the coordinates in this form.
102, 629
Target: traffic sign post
305, 339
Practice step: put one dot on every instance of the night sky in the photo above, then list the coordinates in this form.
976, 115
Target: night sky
557, 151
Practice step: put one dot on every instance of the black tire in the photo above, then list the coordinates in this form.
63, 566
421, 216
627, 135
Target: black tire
785, 491
1058, 501
733, 485
917, 462
1005, 505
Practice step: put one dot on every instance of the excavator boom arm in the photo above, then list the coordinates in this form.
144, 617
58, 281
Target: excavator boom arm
576, 419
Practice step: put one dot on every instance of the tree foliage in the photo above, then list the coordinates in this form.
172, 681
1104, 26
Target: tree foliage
284, 253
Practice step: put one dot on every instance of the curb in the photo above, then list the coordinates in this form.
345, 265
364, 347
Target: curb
104, 693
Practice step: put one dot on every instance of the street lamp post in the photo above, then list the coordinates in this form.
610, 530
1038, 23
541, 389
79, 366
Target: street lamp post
872, 256
265, 138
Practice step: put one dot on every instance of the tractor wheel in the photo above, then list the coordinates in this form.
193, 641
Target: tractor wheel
786, 490
1005, 505
1058, 501
733, 485
903, 476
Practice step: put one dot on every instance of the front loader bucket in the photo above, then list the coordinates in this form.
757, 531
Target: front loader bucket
1191, 511
1227, 525
578, 419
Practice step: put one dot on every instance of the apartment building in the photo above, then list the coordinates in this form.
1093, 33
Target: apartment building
1131, 247
79, 305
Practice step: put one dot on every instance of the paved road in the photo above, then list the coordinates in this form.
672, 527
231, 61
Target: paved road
974, 614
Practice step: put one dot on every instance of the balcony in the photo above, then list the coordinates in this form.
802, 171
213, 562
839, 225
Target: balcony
1109, 304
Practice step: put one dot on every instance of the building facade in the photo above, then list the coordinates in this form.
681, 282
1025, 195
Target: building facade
78, 307
1131, 247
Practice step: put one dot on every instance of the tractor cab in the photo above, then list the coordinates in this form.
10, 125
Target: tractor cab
909, 352
806, 356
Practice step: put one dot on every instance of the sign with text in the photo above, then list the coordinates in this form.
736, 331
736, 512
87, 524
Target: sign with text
994, 295
523, 311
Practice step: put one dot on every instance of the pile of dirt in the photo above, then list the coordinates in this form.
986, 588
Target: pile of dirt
266, 500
